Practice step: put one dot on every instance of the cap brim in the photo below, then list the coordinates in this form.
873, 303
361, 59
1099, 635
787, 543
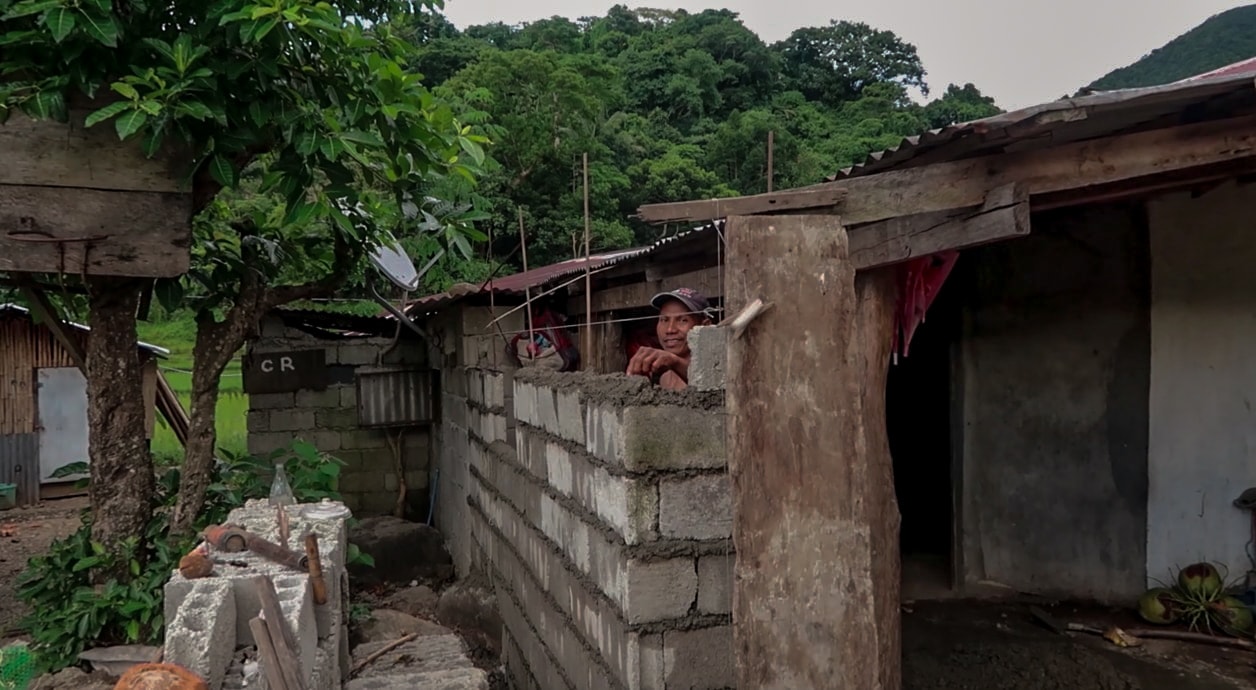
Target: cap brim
663, 297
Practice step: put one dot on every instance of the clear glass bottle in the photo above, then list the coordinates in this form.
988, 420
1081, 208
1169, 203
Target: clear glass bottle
280, 490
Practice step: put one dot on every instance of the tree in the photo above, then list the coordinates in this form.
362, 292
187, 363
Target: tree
959, 104
835, 63
316, 110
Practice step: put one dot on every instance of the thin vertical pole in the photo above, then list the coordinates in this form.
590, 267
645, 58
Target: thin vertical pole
771, 152
588, 282
527, 291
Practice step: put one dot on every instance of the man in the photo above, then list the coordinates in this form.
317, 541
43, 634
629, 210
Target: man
679, 311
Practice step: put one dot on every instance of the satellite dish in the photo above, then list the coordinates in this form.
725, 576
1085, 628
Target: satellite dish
389, 259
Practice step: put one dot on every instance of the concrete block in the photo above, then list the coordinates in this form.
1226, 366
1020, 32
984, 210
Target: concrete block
324, 398
664, 437
629, 505
708, 365
202, 634
271, 401
531, 449
326, 441
660, 590
651, 663
348, 396
494, 389
297, 603
696, 508
258, 421
715, 584
337, 418
570, 416
475, 386
454, 381
702, 659
265, 442
454, 410
363, 439
291, 420
547, 409
357, 354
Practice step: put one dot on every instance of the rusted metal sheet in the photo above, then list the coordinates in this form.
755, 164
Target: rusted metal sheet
19, 464
394, 397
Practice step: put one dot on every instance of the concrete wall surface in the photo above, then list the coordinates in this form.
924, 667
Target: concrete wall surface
1054, 384
370, 480
1203, 380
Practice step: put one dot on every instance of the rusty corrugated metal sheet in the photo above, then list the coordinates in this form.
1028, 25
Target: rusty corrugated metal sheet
19, 464
394, 397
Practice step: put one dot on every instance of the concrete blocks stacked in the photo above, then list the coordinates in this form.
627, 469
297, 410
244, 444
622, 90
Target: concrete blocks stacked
708, 365
218, 609
606, 527
329, 420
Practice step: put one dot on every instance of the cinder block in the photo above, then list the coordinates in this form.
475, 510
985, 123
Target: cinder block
702, 659
660, 590
570, 416
525, 402
263, 443
338, 418
715, 584
297, 603
629, 505
547, 409
454, 410
708, 365
670, 437
326, 441
271, 401
258, 421
357, 354
348, 396
201, 636
531, 449
324, 398
494, 389
291, 420
696, 508
363, 439
651, 663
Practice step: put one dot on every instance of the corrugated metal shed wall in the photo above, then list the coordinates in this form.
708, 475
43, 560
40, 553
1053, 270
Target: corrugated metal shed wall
394, 397
19, 464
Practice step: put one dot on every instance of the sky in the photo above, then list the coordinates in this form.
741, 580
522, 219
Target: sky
1021, 53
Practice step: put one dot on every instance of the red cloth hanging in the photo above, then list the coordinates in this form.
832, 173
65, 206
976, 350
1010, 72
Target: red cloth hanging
920, 281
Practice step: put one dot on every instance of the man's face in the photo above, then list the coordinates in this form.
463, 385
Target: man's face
673, 327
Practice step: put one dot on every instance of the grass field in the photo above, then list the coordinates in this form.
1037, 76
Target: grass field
178, 334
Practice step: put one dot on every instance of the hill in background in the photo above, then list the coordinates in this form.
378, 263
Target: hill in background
1222, 39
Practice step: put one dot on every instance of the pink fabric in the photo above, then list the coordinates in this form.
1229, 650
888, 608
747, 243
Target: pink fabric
920, 280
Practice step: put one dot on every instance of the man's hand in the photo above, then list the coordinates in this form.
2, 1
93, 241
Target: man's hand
671, 381
649, 361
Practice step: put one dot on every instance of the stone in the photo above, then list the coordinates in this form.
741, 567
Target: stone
73, 678
470, 607
403, 551
386, 625
417, 601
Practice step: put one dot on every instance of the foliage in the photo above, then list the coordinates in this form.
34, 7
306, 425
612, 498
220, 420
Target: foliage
71, 613
1221, 40
1198, 597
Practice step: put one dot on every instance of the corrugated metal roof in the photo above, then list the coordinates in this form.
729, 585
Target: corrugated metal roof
1066, 120
19, 309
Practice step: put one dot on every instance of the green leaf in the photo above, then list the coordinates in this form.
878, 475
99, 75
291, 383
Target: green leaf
125, 90
105, 113
102, 28
133, 630
25, 9
222, 171
195, 109
60, 22
169, 294
364, 138
151, 143
46, 105
130, 122
300, 214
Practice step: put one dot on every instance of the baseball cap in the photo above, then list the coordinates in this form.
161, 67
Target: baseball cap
687, 296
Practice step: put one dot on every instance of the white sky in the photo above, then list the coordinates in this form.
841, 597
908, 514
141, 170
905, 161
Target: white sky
1020, 52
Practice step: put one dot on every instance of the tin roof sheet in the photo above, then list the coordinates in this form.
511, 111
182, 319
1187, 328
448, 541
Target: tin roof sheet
23, 311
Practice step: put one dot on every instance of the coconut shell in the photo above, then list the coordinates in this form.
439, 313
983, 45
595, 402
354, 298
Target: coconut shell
160, 677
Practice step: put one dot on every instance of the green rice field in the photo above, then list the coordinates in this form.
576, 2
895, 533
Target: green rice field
178, 334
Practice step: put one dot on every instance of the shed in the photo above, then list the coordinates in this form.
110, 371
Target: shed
43, 404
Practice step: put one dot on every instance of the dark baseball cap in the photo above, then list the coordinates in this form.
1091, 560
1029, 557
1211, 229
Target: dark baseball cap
687, 296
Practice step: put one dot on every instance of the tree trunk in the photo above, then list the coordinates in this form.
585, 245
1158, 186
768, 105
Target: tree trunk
216, 343
122, 482
816, 591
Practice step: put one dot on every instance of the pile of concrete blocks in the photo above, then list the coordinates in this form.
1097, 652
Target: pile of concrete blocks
208, 618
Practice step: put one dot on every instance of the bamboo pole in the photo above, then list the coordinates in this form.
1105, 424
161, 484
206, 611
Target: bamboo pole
588, 282
527, 291
771, 154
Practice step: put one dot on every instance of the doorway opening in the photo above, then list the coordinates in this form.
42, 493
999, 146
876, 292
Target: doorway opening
918, 423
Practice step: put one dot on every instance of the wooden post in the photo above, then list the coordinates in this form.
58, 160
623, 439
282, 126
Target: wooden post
527, 293
771, 154
588, 284
816, 592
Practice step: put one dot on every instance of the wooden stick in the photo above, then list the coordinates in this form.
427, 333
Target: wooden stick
317, 583
527, 291
282, 517
1178, 635
752, 311
588, 289
266, 650
271, 611
383, 650
771, 151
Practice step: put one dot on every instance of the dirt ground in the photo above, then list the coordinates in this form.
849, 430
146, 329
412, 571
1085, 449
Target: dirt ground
962, 645
27, 532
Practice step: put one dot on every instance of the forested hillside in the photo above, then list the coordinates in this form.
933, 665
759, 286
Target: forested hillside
1221, 40
669, 106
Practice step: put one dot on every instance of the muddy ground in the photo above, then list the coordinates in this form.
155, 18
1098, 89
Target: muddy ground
965, 645
27, 532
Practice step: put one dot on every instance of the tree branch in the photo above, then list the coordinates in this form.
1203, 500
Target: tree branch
345, 260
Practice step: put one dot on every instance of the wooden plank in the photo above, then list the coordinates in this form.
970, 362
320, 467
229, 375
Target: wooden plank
1004, 215
710, 209
50, 317
281, 635
55, 154
84, 231
963, 184
815, 523
637, 295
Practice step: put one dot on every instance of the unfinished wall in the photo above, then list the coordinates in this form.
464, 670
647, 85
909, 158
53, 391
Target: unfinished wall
1053, 382
1203, 380
369, 481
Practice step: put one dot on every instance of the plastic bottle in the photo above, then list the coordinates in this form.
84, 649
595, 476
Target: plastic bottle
280, 490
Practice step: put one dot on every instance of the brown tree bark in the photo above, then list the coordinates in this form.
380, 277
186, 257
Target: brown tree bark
816, 523
122, 483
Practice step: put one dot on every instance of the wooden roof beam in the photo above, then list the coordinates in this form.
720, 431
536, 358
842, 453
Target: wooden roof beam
963, 184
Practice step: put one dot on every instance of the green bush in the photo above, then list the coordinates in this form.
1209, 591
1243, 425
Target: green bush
69, 612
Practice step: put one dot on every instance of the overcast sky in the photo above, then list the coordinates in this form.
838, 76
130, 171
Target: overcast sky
1020, 52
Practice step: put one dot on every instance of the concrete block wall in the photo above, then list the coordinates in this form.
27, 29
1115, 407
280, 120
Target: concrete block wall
601, 509
328, 419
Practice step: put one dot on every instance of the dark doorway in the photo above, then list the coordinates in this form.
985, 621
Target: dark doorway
918, 421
